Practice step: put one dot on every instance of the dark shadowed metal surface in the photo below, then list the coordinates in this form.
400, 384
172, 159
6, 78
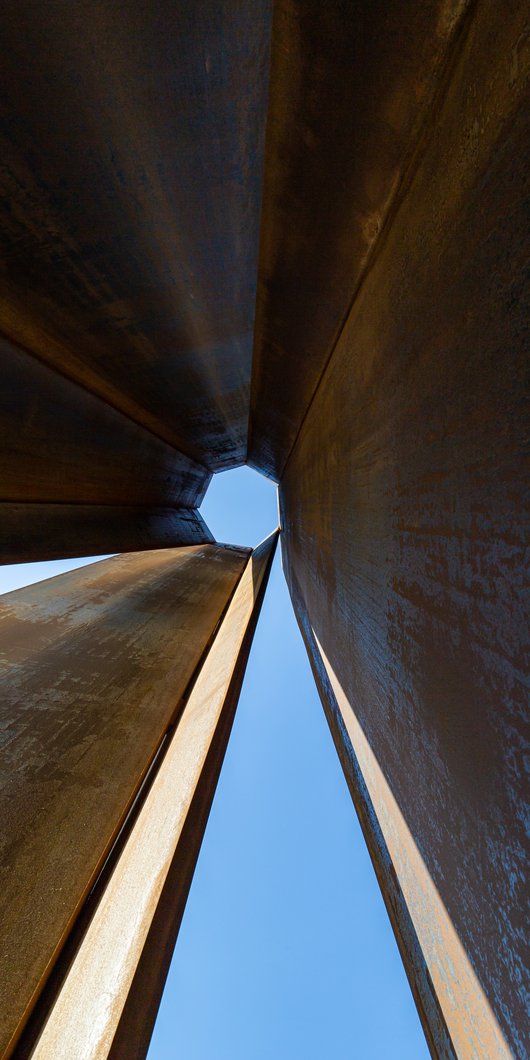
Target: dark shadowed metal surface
131, 140
57, 531
351, 83
62, 444
405, 516
95, 663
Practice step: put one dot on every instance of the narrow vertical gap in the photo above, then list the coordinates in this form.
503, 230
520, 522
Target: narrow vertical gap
285, 949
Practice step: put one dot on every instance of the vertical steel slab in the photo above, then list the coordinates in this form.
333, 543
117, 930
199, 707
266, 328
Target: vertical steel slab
87, 1010
96, 665
405, 523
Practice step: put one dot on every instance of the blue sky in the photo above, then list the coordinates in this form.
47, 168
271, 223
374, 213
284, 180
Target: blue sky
285, 951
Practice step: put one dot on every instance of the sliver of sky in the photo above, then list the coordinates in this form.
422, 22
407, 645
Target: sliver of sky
16, 575
285, 951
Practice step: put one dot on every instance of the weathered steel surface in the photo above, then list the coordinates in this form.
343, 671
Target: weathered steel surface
56, 531
95, 664
131, 136
350, 90
379, 844
60, 443
87, 1011
462, 1003
133, 1035
404, 509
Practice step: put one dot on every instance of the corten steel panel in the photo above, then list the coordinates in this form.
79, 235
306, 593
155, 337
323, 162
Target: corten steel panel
420, 981
56, 531
87, 1010
95, 664
405, 518
132, 1037
350, 88
60, 443
131, 136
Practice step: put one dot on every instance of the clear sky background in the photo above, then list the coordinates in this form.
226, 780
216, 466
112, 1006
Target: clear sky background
285, 951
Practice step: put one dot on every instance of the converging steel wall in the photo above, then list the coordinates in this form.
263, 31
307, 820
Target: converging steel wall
387, 397
97, 666
131, 137
404, 531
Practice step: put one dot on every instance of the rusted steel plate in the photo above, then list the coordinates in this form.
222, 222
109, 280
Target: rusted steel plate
56, 531
339, 716
87, 1011
60, 443
131, 137
94, 666
405, 516
350, 88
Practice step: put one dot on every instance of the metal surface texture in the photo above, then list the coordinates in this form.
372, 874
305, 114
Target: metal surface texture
351, 91
62, 444
133, 1035
405, 521
389, 376
131, 137
379, 843
105, 964
58, 531
94, 667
